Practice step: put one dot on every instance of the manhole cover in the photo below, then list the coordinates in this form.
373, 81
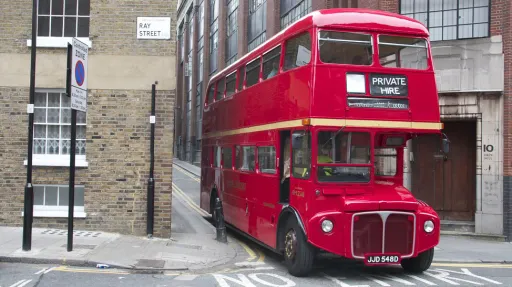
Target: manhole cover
149, 263
81, 246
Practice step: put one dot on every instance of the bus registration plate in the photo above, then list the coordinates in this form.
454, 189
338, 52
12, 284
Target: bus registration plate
381, 259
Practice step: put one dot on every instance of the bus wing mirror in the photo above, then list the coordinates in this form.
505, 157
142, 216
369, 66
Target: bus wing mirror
446, 146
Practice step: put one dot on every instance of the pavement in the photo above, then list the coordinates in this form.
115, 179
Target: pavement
451, 248
192, 247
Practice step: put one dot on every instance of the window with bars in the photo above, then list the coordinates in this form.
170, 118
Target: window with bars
190, 32
199, 109
52, 125
231, 32
257, 23
293, 10
450, 19
63, 18
214, 34
53, 200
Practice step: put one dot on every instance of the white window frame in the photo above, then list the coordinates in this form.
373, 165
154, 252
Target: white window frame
58, 211
60, 160
61, 42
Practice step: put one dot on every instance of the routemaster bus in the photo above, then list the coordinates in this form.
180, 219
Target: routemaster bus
303, 140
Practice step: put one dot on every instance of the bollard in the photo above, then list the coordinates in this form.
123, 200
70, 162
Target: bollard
220, 225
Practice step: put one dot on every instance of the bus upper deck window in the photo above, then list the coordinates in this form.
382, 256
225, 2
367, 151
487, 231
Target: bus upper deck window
403, 52
345, 48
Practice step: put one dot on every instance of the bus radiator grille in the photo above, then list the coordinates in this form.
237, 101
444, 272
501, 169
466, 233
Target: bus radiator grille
373, 230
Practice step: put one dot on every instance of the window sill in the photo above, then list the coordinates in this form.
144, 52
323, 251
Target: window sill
57, 42
56, 213
57, 160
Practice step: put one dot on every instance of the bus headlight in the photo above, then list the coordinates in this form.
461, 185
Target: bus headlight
428, 226
327, 225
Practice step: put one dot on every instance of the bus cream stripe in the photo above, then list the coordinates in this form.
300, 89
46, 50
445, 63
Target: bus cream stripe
331, 123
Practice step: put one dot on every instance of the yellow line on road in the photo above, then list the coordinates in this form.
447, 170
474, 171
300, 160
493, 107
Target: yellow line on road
188, 200
193, 176
84, 270
252, 254
473, 265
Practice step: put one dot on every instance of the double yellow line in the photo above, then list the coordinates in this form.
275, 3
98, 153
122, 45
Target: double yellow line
194, 206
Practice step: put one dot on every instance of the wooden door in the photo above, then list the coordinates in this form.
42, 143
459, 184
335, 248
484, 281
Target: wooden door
448, 184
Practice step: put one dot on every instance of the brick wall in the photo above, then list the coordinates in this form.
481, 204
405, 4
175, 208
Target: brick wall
386, 5
118, 156
113, 27
118, 128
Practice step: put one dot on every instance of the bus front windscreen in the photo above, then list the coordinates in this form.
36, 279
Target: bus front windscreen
343, 156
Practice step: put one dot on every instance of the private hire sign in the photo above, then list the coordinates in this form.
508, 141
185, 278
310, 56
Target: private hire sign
154, 28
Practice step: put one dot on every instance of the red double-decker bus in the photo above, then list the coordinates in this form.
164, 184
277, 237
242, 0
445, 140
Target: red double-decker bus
304, 137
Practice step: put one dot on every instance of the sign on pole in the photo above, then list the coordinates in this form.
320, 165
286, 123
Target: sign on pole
79, 76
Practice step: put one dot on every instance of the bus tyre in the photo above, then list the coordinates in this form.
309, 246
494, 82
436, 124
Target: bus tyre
420, 263
298, 253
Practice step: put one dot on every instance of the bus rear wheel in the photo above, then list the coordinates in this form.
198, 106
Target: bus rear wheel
298, 253
420, 263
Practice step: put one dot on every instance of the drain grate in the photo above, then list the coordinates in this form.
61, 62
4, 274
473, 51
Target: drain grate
81, 246
150, 263
75, 233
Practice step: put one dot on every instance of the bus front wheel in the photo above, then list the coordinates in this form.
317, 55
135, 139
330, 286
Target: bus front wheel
420, 263
298, 253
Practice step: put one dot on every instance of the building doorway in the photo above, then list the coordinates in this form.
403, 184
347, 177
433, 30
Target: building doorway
448, 183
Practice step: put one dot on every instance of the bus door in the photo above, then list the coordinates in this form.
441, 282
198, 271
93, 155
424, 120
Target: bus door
300, 168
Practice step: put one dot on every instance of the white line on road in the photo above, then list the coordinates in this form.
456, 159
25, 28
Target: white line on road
49, 270
40, 271
335, 280
185, 277
20, 283
422, 280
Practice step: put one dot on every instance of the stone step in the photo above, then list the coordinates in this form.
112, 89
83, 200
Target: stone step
473, 235
458, 226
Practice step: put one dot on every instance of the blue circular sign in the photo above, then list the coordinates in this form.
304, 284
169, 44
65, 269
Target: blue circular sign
79, 73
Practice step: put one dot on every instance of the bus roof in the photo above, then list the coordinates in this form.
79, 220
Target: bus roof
355, 19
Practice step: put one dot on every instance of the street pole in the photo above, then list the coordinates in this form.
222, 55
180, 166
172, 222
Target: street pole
28, 209
71, 204
151, 180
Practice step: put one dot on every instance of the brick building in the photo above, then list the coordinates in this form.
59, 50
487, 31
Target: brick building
113, 137
471, 46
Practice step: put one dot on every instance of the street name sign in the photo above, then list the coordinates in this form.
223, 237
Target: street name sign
80, 54
154, 28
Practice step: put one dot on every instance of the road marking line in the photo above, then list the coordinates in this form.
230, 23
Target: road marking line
83, 270
20, 283
421, 280
251, 253
49, 270
188, 200
185, 277
474, 265
193, 176
262, 256
40, 271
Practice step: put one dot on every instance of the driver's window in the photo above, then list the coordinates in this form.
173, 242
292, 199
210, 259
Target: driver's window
301, 154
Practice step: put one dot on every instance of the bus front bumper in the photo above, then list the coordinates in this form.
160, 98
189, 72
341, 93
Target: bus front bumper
358, 235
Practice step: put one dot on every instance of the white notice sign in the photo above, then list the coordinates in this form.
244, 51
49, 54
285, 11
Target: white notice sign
154, 28
79, 76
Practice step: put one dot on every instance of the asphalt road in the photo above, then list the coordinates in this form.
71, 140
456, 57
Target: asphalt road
261, 268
